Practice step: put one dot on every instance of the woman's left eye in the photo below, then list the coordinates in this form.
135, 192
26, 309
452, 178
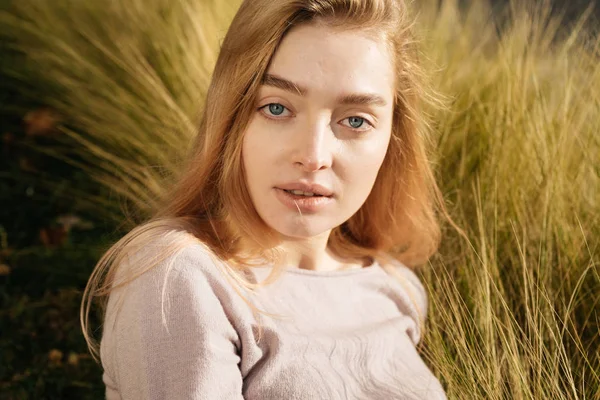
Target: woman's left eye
357, 122
274, 109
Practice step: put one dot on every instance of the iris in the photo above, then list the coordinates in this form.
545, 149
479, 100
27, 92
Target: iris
276, 109
356, 122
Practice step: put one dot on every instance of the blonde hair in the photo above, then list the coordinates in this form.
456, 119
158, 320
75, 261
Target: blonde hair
210, 203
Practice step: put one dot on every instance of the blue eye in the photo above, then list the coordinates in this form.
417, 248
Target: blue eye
356, 122
275, 108
359, 124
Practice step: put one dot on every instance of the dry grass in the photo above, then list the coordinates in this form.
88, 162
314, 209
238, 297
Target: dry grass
515, 310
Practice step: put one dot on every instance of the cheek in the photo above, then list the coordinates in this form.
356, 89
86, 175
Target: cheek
256, 157
362, 168
250, 147
361, 176
249, 159
360, 173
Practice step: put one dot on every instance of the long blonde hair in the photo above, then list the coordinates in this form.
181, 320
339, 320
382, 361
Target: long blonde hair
210, 204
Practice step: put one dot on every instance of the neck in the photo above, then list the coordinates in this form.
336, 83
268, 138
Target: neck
312, 254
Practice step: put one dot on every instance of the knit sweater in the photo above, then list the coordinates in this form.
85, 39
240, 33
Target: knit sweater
186, 333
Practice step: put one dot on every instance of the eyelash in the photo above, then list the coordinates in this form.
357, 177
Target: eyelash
274, 118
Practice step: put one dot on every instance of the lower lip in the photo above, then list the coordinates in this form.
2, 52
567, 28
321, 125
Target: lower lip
304, 203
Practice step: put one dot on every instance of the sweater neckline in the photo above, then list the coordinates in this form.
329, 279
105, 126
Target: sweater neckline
333, 273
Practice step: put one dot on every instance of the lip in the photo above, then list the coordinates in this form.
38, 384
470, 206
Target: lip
307, 187
303, 204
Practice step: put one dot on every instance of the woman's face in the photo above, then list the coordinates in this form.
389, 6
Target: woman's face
321, 128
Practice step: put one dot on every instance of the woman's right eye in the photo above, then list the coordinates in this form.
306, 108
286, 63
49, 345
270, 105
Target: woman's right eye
273, 109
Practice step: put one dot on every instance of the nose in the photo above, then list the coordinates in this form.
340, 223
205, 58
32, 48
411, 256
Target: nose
313, 147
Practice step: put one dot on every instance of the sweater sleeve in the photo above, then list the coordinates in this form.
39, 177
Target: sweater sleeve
419, 294
167, 336
415, 299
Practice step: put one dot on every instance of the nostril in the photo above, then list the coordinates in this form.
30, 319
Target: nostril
312, 164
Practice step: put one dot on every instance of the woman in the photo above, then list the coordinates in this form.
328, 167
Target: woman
278, 266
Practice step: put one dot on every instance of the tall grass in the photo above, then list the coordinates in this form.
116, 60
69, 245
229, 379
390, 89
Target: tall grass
130, 76
513, 310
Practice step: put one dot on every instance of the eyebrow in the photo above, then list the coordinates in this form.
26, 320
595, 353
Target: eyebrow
348, 99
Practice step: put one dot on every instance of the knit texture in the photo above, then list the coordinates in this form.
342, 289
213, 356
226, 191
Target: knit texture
185, 333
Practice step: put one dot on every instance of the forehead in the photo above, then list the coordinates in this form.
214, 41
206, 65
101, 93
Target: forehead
329, 61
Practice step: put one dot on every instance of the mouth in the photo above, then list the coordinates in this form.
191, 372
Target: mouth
302, 193
305, 202
307, 189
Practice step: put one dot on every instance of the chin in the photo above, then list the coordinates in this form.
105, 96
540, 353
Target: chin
301, 228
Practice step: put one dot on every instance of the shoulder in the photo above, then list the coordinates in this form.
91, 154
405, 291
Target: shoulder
165, 274
166, 281
412, 292
171, 254
173, 310
415, 284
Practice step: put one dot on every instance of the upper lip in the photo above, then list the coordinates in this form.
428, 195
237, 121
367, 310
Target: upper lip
307, 187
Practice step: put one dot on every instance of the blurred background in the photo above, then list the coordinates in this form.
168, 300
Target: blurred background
98, 103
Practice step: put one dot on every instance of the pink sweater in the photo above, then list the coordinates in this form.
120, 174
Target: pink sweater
347, 335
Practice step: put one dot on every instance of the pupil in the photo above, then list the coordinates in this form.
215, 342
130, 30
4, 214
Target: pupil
356, 122
275, 109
